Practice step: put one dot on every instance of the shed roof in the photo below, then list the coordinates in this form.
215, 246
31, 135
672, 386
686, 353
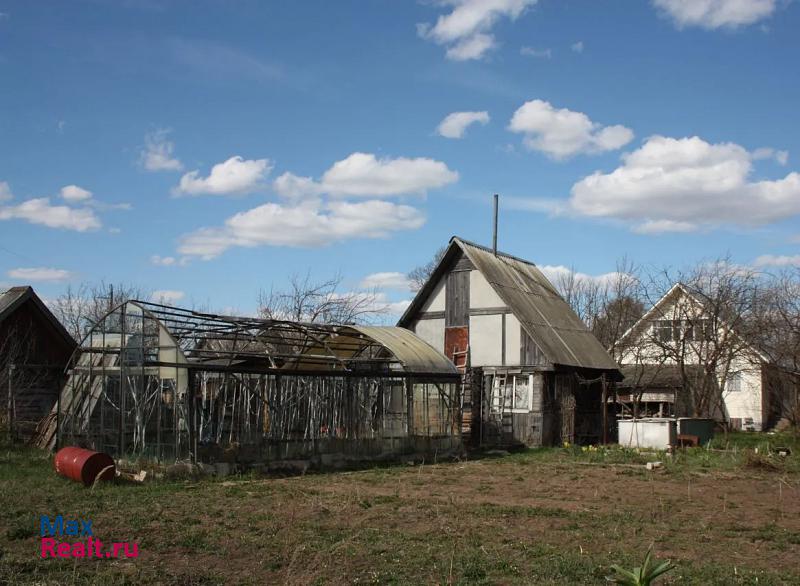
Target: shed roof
14, 297
544, 315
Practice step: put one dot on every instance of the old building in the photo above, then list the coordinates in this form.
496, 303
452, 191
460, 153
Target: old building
533, 373
34, 351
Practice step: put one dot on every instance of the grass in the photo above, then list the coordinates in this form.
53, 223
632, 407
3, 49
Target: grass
545, 516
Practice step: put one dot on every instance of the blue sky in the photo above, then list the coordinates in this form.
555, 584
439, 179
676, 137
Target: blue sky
211, 149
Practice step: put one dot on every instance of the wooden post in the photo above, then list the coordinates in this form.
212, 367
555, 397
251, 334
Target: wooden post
10, 403
605, 408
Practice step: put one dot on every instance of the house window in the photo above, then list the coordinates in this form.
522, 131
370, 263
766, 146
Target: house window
666, 330
512, 393
734, 382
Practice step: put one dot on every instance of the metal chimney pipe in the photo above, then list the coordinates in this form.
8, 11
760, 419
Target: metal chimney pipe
494, 232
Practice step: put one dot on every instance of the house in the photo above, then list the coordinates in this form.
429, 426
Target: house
533, 374
34, 351
682, 358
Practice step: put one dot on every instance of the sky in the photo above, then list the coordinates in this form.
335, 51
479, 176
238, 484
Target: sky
210, 149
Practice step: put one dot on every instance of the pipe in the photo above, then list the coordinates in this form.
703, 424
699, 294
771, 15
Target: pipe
494, 232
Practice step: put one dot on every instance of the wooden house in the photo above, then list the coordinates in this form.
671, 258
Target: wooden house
533, 373
34, 351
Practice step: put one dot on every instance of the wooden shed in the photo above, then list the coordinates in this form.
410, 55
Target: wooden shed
34, 351
533, 374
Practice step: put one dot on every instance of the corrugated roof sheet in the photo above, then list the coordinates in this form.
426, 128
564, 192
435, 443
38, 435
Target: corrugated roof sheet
414, 352
549, 320
9, 299
544, 314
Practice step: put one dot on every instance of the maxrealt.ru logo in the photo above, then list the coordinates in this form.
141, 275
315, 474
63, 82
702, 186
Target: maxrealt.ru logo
89, 547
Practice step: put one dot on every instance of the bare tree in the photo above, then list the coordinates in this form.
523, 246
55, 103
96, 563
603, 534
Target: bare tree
776, 326
81, 307
419, 275
312, 301
704, 331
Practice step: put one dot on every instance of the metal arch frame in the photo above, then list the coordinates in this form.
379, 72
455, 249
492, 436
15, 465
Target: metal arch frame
185, 325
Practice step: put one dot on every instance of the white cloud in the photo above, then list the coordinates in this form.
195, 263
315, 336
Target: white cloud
771, 260
5, 191
387, 280
663, 226
163, 261
39, 274
167, 296
75, 194
309, 223
562, 133
157, 152
533, 52
232, 177
454, 125
558, 274
292, 186
780, 157
40, 211
683, 184
466, 30
577, 47
364, 175
713, 14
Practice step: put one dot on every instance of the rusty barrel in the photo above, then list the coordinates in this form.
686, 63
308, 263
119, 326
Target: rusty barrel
84, 465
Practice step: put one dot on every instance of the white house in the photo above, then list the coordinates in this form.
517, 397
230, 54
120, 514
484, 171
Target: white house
681, 358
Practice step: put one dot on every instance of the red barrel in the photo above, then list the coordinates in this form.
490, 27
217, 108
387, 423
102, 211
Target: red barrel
84, 465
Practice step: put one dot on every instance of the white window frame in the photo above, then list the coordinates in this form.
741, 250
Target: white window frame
497, 394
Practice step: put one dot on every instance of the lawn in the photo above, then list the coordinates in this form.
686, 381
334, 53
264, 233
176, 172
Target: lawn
727, 515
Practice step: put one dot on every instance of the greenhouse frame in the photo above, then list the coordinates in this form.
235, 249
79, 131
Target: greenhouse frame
165, 384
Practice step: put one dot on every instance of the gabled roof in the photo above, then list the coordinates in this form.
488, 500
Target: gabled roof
544, 315
697, 297
15, 297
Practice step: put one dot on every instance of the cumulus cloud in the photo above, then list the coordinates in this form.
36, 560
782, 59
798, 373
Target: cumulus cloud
75, 194
714, 14
365, 175
232, 177
671, 184
562, 133
309, 223
577, 47
167, 296
157, 152
772, 260
466, 30
5, 191
41, 211
454, 125
39, 274
387, 280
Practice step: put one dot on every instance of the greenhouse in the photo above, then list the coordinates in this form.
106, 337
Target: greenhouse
166, 384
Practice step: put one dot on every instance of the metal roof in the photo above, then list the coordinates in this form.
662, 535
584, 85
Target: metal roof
544, 315
414, 352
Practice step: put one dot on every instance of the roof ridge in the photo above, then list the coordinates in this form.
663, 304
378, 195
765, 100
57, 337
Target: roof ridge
489, 250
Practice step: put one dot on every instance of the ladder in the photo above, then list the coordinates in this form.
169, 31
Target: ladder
461, 360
